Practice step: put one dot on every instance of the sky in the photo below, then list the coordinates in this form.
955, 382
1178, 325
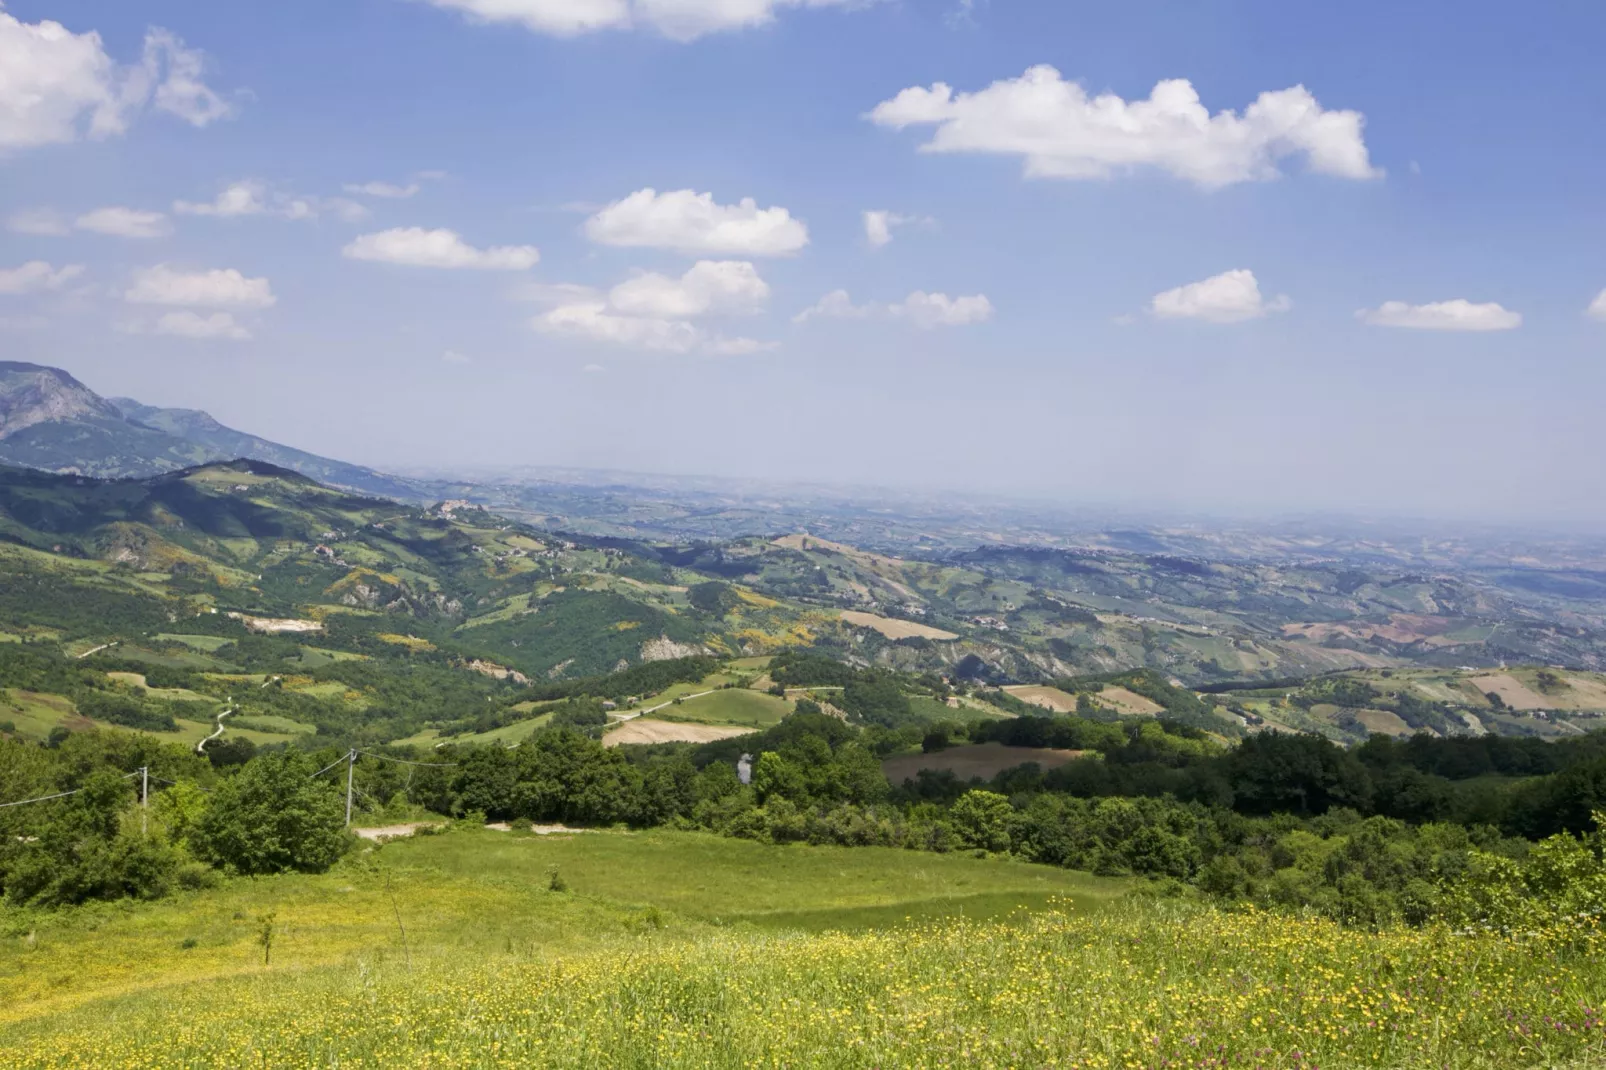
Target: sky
1241, 256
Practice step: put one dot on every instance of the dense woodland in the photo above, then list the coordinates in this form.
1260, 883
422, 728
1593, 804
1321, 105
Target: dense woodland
1471, 830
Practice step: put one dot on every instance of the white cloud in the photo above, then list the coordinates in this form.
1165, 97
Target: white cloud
593, 369
383, 189
57, 86
679, 20
37, 275
1456, 315
654, 312
417, 247
925, 310
452, 356
1063, 133
236, 199
690, 222
250, 197
709, 286
187, 324
878, 225
218, 288
1230, 297
43, 221
837, 304
124, 223
940, 310
1597, 307
176, 71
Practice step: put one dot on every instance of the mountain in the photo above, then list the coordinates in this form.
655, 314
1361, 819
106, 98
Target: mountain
201, 429
51, 421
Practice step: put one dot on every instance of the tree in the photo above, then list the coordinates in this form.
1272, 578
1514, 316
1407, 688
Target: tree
273, 817
774, 776
981, 819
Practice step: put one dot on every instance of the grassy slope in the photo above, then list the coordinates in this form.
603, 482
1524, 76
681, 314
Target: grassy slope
499, 971
483, 893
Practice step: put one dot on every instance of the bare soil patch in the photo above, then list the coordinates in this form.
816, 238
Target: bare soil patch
1050, 698
895, 629
385, 832
1383, 722
649, 730
984, 760
1121, 700
1513, 692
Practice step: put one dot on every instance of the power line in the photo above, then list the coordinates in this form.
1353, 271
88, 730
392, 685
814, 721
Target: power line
58, 795
404, 761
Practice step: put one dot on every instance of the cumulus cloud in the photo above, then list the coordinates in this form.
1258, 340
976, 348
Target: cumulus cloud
36, 276
236, 199
679, 20
218, 288
878, 225
187, 324
1597, 307
124, 223
417, 247
925, 310
41, 221
1061, 132
689, 222
655, 312
1230, 297
708, 287
1456, 315
57, 86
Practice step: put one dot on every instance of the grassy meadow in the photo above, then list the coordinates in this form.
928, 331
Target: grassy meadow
681, 949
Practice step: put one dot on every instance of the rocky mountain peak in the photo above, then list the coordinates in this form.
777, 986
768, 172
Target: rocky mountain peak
33, 394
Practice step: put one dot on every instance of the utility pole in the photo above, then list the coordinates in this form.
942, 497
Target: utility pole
144, 799
351, 767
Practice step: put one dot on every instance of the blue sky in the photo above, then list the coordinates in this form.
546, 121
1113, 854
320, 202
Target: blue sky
1395, 269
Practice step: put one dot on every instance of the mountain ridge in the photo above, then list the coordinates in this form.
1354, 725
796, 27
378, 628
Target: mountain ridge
51, 421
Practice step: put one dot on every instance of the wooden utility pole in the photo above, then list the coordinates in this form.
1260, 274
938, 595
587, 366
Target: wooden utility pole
351, 768
144, 800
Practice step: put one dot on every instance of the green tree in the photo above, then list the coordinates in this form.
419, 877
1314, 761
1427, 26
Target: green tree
981, 819
273, 817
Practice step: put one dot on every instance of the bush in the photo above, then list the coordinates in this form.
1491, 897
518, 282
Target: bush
272, 817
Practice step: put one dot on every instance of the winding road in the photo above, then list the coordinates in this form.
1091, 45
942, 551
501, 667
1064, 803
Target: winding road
200, 748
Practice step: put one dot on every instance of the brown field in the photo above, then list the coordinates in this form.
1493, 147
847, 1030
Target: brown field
1121, 700
895, 629
1512, 691
649, 730
1383, 722
1050, 698
1402, 628
1581, 693
984, 760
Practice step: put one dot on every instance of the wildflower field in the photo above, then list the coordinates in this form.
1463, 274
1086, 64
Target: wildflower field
1095, 980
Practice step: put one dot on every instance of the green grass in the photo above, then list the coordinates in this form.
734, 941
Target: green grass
729, 706
206, 644
34, 714
268, 723
507, 735
470, 894
685, 950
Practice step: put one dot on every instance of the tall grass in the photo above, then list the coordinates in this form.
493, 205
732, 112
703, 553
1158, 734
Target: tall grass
1152, 985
